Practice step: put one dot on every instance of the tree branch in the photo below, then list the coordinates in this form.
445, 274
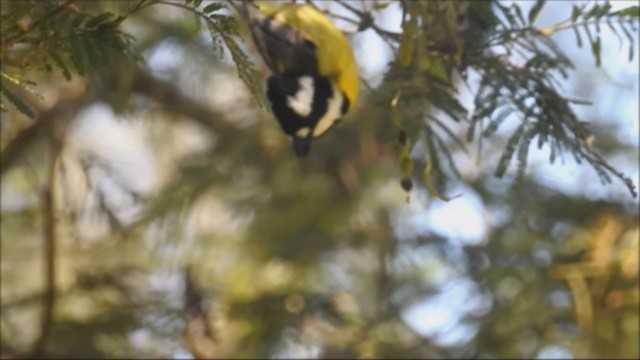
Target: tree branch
173, 101
12, 152
49, 245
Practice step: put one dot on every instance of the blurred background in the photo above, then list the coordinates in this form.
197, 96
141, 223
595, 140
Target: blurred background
164, 214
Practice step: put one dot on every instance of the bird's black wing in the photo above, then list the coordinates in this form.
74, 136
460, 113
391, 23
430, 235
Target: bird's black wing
283, 48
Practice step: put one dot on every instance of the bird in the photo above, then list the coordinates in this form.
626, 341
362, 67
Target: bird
314, 78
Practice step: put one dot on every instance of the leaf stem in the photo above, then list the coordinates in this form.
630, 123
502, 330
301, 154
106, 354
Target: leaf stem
559, 27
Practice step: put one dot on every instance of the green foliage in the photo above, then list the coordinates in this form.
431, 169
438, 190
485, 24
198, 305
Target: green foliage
531, 92
483, 37
588, 17
246, 251
48, 35
535, 10
519, 68
13, 98
71, 38
222, 27
222, 30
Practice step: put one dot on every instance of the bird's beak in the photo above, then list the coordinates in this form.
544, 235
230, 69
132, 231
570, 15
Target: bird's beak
301, 145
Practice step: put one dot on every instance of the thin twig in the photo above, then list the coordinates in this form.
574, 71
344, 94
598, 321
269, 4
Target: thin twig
35, 24
346, 5
138, 7
366, 84
188, 8
560, 26
361, 14
341, 17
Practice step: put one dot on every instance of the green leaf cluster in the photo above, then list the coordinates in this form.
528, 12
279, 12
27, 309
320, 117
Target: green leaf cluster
588, 18
520, 70
223, 30
56, 37
74, 39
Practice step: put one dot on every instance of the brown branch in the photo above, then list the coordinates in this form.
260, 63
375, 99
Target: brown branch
49, 246
12, 152
174, 101
166, 94
199, 335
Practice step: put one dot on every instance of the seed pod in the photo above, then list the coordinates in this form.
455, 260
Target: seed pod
406, 184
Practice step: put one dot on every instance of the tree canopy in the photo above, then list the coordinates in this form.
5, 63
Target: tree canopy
151, 207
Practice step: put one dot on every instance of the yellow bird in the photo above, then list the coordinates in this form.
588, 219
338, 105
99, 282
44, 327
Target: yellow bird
314, 80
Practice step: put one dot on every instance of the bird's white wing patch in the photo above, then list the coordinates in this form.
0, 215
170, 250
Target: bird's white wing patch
302, 102
333, 114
